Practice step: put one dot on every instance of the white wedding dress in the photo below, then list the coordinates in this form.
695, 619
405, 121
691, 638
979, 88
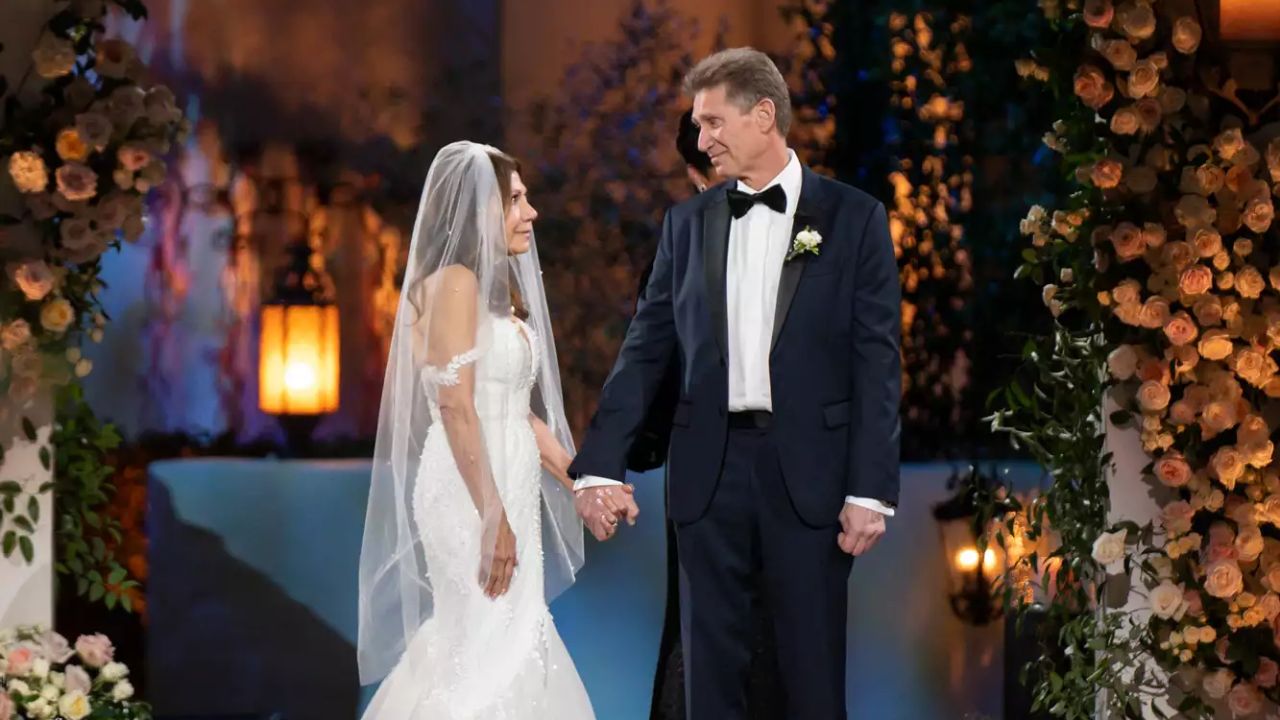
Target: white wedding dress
478, 658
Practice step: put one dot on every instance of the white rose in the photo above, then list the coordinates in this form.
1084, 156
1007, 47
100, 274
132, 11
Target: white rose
1123, 362
75, 706
40, 668
122, 691
50, 693
1218, 683
1108, 549
1168, 601
114, 671
18, 687
40, 708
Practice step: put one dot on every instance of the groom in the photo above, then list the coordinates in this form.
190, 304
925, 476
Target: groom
778, 292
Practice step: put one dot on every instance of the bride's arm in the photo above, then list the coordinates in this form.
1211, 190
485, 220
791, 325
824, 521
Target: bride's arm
555, 458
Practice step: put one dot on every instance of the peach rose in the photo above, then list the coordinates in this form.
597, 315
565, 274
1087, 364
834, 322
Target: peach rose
1119, 53
1219, 416
1249, 282
1195, 211
1177, 517
1173, 469
1223, 579
71, 146
1207, 242
1218, 683
1182, 413
1137, 20
1209, 179
34, 278
1153, 396
1178, 255
1106, 173
1253, 430
1258, 215
1251, 365
1186, 35
1197, 280
1180, 329
1242, 247
57, 315
1098, 13
1128, 292
1227, 466
1153, 235
1154, 370
1208, 310
1126, 121
15, 334
1149, 114
1249, 543
1128, 242
76, 182
1092, 88
1228, 143
1155, 312
1216, 344
1144, 79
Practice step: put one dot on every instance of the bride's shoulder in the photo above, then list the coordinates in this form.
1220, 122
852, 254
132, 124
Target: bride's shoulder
453, 277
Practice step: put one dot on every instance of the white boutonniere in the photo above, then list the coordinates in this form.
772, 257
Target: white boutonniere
807, 240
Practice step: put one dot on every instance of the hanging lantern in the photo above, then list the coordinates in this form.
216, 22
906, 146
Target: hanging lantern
298, 366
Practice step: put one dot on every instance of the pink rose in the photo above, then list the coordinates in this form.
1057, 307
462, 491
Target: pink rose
1182, 413
1177, 517
1153, 396
1126, 121
78, 679
1267, 673
1244, 699
77, 182
1195, 606
20, 660
96, 650
1155, 313
1128, 242
1173, 469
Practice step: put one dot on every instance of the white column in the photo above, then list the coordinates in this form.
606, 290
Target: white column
1132, 498
26, 589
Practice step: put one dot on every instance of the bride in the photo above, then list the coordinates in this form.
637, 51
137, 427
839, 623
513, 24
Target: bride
471, 526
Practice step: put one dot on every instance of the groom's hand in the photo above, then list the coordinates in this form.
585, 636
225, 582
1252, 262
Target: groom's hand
601, 508
861, 528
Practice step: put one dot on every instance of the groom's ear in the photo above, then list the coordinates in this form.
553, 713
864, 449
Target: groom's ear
765, 114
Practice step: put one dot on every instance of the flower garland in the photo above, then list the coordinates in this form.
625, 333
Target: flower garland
1161, 276
43, 677
81, 144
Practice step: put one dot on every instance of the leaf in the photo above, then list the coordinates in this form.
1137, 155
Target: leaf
33, 510
28, 429
126, 601
24, 524
9, 543
96, 592
45, 461
111, 601
117, 576
10, 487
28, 550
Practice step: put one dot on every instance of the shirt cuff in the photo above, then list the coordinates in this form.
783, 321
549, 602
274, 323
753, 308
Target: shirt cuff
868, 503
590, 481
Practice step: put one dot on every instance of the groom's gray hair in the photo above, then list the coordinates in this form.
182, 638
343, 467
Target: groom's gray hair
748, 77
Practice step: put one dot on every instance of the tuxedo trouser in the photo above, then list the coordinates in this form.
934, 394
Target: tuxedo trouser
752, 533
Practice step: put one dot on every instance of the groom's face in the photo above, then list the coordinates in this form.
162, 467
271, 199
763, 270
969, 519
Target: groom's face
732, 137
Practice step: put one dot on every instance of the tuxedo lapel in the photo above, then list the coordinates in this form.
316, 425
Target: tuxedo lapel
808, 213
715, 252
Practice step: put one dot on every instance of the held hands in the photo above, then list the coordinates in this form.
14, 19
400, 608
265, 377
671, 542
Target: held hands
602, 507
861, 528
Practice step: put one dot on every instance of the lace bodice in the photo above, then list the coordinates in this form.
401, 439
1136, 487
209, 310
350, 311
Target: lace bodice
505, 370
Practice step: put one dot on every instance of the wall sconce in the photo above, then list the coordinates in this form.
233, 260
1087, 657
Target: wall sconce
974, 575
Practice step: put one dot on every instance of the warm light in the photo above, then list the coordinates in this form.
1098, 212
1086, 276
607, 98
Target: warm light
1249, 20
967, 560
298, 370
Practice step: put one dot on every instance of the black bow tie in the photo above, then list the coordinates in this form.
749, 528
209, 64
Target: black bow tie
774, 198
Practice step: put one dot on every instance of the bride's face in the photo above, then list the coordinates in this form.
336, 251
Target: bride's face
520, 217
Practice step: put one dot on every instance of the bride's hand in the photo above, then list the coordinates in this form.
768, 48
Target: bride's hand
503, 566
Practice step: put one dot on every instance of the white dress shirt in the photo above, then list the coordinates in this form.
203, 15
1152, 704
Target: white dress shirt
758, 246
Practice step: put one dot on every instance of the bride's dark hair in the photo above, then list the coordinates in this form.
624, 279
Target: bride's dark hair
503, 166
